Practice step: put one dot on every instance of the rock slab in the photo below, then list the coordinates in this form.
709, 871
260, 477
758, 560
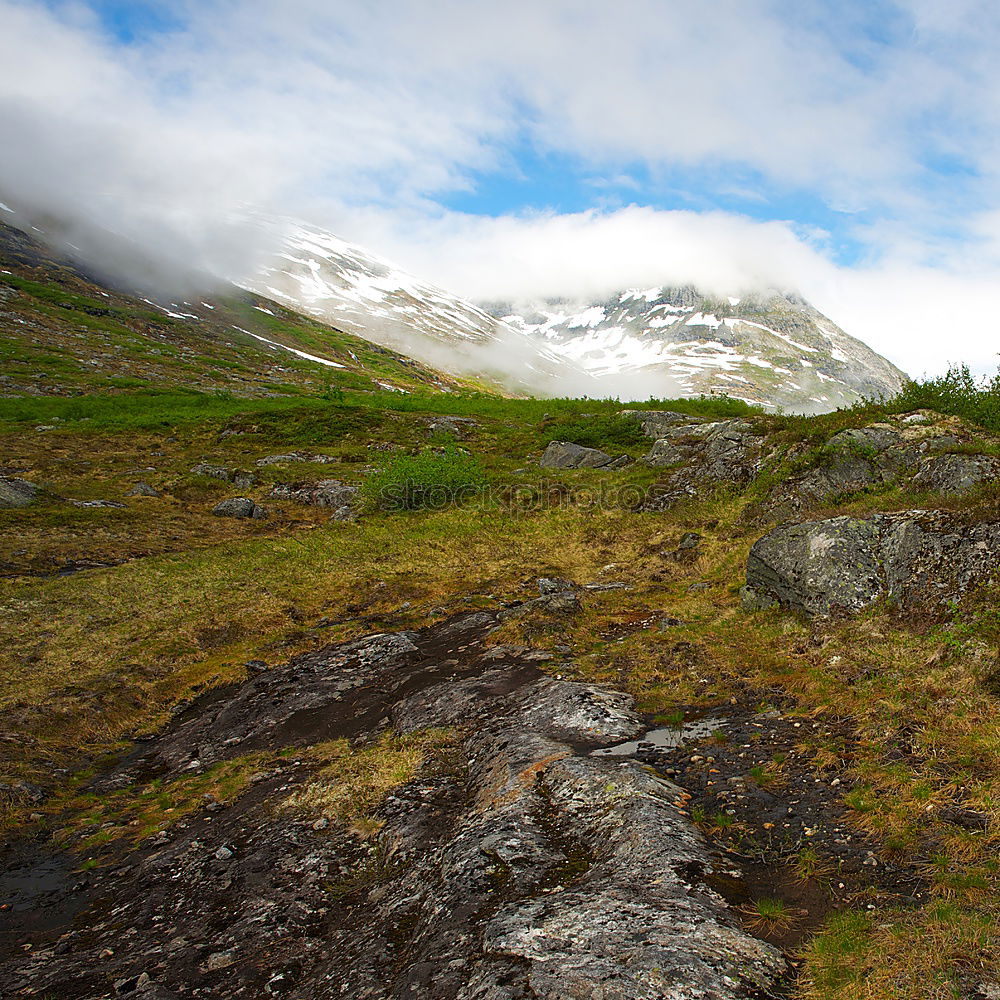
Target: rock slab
914, 559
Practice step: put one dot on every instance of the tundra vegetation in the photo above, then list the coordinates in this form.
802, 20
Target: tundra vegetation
119, 610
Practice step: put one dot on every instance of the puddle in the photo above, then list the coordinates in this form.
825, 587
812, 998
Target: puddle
38, 893
664, 738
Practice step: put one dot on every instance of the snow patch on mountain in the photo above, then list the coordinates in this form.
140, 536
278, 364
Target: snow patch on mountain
770, 348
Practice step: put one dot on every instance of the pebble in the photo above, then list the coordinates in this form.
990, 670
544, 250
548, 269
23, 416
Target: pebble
223, 854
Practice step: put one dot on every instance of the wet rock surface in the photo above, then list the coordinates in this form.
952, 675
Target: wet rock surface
911, 559
518, 866
749, 778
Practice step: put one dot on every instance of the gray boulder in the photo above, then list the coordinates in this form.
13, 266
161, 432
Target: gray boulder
239, 507
956, 473
723, 449
701, 455
566, 455
16, 493
912, 559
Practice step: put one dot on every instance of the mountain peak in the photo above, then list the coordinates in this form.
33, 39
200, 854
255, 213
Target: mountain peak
766, 346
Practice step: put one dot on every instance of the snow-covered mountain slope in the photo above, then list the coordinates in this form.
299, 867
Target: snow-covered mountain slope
770, 347
360, 293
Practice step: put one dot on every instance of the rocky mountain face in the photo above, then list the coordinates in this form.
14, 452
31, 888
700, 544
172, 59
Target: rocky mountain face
770, 348
360, 293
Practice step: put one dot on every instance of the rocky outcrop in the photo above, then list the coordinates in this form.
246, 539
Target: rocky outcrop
566, 455
956, 473
714, 451
517, 866
701, 454
910, 560
294, 456
334, 493
657, 423
16, 492
234, 476
915, 450
239, 507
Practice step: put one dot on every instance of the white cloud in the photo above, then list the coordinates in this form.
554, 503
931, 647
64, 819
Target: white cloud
361, 114
921, 318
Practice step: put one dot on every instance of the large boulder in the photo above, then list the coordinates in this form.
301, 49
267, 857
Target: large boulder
566, 455
16, 493
722, 449
957, 473
911, 559
239, 507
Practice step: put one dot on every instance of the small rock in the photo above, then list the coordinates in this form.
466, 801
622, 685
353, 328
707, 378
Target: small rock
223, 854
668, 622
968, 819
220, 960
142, 490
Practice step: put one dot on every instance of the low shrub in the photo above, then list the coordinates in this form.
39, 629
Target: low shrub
431, 479
605, 432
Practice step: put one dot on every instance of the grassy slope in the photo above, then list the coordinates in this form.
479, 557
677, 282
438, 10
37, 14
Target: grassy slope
96, 657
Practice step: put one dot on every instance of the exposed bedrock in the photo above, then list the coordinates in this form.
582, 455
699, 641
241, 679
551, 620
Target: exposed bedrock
912, 559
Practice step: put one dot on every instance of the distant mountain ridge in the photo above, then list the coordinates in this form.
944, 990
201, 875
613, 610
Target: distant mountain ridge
765, 347
771, 348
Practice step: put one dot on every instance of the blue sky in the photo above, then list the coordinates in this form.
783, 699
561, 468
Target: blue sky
525, 176
500, 147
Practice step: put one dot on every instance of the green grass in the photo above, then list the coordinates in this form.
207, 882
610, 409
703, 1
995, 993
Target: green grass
608, 432
146, 410
430, 479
